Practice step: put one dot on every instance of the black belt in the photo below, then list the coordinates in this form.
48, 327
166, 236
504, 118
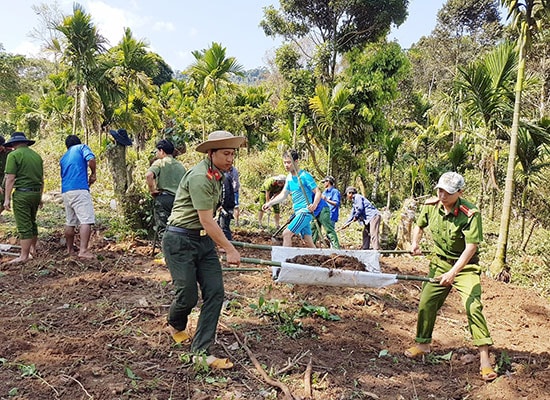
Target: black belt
27, 190
446, 259
196, 233
473, 260
162, 192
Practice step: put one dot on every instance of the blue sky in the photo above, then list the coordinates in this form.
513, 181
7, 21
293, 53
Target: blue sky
175, 28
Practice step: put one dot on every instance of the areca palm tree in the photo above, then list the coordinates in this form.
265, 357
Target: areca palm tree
390, 147
532, 149
330, 108
82, 44
212, 69
133, 66
527, 14
486, 87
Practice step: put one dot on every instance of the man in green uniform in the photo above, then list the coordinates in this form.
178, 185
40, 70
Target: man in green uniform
271, 187
456, 229
189, 245
24, 173
163, 178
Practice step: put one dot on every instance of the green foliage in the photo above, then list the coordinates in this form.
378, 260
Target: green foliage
504, 363
287, 319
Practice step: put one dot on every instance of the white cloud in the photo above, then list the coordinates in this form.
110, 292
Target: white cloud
193, 32
164, 26
111, 21
28, 49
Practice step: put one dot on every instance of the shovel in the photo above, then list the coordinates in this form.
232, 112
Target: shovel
274, 238
319, 276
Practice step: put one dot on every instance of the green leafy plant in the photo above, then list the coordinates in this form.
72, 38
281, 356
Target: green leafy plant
319, 311
288, 319
504, 363
435, 359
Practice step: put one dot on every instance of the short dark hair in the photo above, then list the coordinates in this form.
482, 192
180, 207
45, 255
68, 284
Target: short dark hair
166, 146
72, 140
2, 140
291, 154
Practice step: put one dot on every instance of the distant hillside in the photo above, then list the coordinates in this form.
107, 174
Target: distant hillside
251, 76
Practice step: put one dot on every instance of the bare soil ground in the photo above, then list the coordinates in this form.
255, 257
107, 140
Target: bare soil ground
73, 329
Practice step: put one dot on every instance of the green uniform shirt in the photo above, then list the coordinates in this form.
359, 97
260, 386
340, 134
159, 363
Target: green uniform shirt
270, 185
168, 173
27, 167
195, 192
451, 232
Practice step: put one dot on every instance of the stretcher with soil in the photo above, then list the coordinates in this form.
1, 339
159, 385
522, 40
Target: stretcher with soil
326, 267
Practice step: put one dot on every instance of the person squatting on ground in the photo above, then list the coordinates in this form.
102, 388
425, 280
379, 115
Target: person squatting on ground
75, 190
322, 219
456, 229
163, 178
234, 174
271, 187
302, 187
24, 175
189, 245
227, 205
3, 156
364, 212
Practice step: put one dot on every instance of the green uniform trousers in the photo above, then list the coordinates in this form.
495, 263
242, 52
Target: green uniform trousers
162, 208
191, 261
323, 219
25, 207
468, 285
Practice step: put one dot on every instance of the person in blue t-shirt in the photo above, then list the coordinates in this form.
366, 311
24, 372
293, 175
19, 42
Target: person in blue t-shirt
75, 190
333, 197
366, 214
302, 187
322, 219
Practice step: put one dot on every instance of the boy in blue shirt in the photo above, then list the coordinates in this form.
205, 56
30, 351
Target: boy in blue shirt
302, 187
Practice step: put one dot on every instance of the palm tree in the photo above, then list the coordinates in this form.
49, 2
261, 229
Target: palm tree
527, 14
390, 146
330, 109
82, 45
533, 143
133, 66
212, 70
486, 88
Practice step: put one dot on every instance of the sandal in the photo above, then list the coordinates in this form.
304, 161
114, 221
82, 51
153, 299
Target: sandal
181, 336
214, 362
488, 374
415, 352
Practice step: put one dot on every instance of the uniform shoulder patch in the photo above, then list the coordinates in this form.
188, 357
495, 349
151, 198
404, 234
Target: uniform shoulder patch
431, 201
466, 210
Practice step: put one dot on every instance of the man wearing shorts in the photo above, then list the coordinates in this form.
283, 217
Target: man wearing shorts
302, 187
75, 189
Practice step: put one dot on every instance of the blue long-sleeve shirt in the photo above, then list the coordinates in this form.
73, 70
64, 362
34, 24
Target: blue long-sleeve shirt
362, 210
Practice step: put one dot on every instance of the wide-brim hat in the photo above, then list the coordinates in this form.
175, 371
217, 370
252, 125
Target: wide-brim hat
19, 137
121, 137
351, 189
221, 140
280, 178
451, 182
329, 178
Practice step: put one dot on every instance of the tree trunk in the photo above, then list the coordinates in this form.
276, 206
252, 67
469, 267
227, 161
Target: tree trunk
498, 266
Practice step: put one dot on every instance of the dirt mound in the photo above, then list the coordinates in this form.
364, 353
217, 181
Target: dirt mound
335, 261
80, 330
